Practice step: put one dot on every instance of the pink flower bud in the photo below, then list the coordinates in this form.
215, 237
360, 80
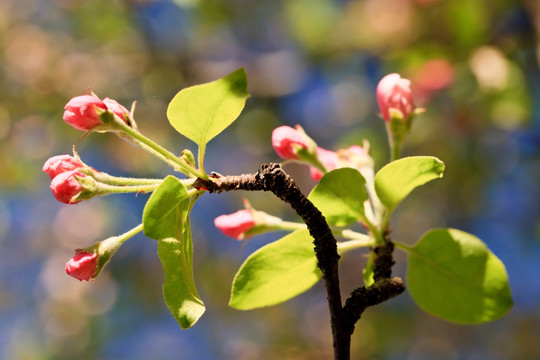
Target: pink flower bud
393, 92
83, 265
284, 141
236, 224
65, 186
328, 158
61, 163
81, 112
116, 108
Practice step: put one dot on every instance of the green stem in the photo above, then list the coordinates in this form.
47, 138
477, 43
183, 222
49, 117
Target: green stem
355, 236
377, 235
129, 234
345, 246
194, 192
289, 225
403, 247
161, 152
103, 189
115, 180
395, 151
200, 156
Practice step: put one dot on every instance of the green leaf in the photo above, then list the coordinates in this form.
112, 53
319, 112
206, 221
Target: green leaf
453, 275
166, 219
276, 272
160, 215
340, 196
179, 289
203, 111
397, 179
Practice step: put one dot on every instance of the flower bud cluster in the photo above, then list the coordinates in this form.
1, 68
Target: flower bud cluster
68, 183
86, 112
295, 144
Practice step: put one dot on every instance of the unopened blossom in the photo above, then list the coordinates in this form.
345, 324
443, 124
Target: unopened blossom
117, 108
286, 140
236, 224
394, 92
61, 163
83, 265
80, 112
329, 159
65, 186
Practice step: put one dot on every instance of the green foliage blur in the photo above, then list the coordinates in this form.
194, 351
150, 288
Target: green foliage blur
473, 66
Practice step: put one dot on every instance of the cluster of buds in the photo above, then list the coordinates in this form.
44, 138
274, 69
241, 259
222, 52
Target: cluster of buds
69, 184
73, 181
90, 113
294, 144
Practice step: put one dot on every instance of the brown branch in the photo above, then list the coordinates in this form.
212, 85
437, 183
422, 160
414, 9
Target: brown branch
343, 319
273, 178
384, 288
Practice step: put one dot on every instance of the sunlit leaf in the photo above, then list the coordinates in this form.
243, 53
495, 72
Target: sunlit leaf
166, 219
397, 179
160, 215
453, 275
276, 272
179, 289
203, 111
340, 196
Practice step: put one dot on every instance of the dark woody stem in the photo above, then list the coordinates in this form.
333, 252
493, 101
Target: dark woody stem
272, 178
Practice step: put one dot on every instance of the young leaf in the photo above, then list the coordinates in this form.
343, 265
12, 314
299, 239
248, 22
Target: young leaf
179, 289
203, 111
453, 275
276, 272
397, 179
340, 196
166, 219
160, 215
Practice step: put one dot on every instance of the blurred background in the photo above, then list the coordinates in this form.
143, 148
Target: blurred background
474, 66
